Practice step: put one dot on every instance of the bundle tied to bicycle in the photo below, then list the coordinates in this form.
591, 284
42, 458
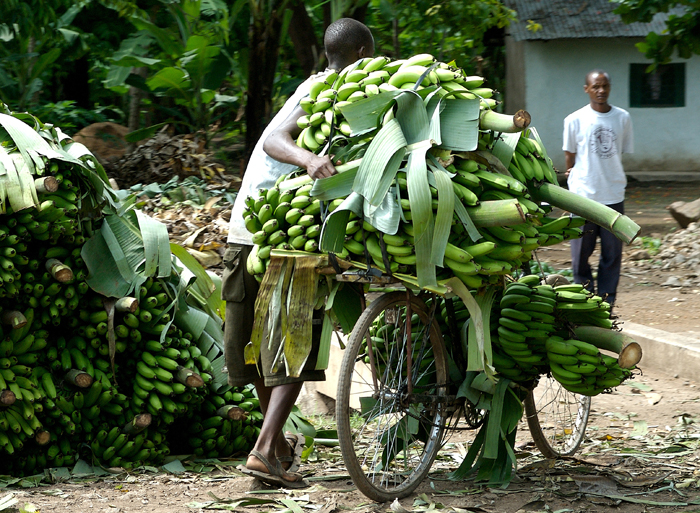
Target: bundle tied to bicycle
445, 195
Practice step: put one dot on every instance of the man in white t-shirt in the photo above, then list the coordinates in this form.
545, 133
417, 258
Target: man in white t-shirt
595, 137
276, 456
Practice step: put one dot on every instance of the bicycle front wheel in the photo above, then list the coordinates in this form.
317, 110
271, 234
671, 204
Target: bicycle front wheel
556, 417
390, 431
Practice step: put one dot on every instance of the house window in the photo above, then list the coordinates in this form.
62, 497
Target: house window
663, 87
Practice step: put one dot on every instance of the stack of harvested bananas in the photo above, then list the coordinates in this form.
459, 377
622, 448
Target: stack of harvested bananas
476, 208
109, 379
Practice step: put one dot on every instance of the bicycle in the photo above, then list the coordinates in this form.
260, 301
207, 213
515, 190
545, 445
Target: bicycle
396, 400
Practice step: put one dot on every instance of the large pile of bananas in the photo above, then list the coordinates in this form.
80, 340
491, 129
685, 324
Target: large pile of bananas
373, 76
78, 379
530, 321
292, 220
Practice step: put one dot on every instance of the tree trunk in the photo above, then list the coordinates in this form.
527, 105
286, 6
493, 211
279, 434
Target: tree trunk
262, 64
135, 96
397, 44
301, 32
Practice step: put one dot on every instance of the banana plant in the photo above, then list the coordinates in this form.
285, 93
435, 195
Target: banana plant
186, 61
32, 34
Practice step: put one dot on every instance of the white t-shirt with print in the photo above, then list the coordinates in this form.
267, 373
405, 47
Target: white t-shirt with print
598, 139
263, 171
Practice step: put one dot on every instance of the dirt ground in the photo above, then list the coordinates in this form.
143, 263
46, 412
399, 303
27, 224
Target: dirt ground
642, 452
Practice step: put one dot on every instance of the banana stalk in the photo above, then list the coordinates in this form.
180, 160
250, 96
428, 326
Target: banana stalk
620, 225
490, 120
629, 352
497, 213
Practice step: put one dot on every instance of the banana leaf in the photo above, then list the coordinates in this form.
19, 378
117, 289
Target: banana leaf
19, 184
413, 117
421, 213
156, 246
386, 216
333, 230
203, 292
127, 246
333, 187
493, 426
459, 125
476, 358
444, 214
105, 276
380, 163
365, 115
505, 147
297, 339
190, 319
434, 107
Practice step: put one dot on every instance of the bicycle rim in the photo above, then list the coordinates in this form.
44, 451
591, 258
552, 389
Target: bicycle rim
389, 438
556, 417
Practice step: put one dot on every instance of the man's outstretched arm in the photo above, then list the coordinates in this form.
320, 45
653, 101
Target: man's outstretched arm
281, 146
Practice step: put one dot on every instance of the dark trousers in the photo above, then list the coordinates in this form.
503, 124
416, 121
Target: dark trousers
610, 258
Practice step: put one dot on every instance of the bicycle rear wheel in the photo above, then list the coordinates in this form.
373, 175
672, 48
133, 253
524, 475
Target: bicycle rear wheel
389, 436
556, 417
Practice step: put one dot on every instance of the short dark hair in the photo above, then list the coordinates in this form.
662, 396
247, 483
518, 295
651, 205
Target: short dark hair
596, 72
346, 36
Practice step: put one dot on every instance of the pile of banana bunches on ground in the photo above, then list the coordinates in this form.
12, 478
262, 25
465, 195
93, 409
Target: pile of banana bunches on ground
531, 330
62, 397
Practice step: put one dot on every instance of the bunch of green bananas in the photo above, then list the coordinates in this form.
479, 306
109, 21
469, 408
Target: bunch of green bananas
524, 323
369, 77
212, 432
527, 336
577, 306
281, 220
581, 368
388, 346
530, 163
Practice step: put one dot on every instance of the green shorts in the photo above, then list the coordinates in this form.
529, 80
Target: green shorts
239, 289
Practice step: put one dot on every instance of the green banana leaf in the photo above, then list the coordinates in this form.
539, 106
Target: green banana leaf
365, 115
156, 246
203, 292
380, 163
333, 230
459, 125
444, 214
105, 276
505, 147
421, 213
413, 117
333, 187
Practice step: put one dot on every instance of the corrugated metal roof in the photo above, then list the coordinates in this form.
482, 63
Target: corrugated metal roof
571, 19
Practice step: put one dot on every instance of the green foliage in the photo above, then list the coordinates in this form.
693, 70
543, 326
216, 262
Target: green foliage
69, 117
183, 53
682, 34
32, 33
451, 30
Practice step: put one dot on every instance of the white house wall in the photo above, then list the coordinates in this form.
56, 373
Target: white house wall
666, 139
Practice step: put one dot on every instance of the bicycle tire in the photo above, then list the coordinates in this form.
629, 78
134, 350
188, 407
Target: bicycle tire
556, 418
389, 447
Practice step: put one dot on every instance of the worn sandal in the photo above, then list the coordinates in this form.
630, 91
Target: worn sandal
296, 444
275, 474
